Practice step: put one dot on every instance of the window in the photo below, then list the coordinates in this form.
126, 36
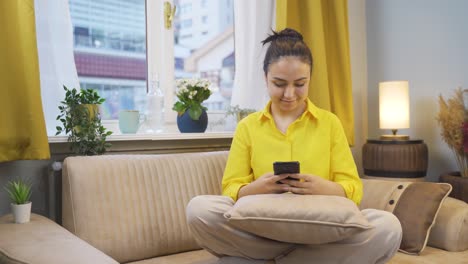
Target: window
186, 7
111, 52
207, 49
120, 95
186, 23
81, 36
97, 38
188, 36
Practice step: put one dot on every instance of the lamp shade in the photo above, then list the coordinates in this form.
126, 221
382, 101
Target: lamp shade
394, 105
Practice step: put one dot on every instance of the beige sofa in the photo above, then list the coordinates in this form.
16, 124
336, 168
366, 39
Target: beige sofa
131, 209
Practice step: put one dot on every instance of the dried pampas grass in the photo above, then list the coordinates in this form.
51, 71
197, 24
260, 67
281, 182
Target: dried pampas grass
451, 117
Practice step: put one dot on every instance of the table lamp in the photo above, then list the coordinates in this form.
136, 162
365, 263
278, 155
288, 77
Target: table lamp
394, 157
394, 108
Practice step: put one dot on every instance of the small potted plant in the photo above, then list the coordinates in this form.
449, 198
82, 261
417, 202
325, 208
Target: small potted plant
82, 123
453, 120
19, 192
191, 93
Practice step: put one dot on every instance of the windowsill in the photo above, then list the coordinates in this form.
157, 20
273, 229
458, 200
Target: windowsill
216, 137
161, 143
155, 137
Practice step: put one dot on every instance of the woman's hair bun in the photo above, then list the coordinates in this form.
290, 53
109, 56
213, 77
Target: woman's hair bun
285, 34
290, 33
287, 42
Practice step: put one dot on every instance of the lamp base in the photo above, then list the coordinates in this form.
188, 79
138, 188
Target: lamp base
394, 137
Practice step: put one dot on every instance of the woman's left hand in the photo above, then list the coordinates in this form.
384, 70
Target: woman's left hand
312, 184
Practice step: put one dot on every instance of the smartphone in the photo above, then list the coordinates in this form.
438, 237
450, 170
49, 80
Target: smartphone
282, 167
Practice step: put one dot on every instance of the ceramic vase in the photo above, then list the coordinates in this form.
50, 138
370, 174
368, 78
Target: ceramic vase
21, 212
188, 125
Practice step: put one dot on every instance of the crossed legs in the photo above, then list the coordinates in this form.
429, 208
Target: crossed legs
214, 233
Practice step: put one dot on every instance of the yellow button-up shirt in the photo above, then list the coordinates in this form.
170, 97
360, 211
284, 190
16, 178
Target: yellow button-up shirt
316, 139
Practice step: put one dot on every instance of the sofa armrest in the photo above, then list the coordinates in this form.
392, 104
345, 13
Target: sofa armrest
450, 231
42, 241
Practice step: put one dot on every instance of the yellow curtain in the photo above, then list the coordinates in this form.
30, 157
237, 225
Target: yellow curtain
324, 25
23, 133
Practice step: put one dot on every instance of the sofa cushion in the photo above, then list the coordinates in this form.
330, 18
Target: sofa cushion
431, 255
199, 257
304, 219
42, 241
415, 204
191, 257
450, 231
132, 207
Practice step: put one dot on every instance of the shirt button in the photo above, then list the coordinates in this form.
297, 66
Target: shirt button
400, 187
391, 202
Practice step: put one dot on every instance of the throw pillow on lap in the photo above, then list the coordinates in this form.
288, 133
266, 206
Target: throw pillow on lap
302, 219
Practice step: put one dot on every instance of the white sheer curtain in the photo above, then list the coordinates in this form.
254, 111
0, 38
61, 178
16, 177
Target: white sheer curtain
253, 22
54, 35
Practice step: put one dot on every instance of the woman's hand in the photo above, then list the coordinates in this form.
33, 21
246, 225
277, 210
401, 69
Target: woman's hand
267, 183
311, 184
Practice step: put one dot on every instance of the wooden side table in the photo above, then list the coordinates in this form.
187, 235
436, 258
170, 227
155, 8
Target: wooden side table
402, 160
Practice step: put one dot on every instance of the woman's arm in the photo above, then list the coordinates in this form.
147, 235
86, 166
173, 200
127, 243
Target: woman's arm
238, 172
342, 165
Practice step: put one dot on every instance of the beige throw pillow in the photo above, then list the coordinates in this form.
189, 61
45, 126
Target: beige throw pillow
303, 219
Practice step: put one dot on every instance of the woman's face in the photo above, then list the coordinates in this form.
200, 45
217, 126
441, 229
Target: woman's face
288, 84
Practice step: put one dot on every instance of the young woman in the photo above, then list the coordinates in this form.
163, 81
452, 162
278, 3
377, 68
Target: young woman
290, 128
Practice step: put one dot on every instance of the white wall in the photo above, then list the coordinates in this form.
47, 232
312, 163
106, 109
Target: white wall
426, 43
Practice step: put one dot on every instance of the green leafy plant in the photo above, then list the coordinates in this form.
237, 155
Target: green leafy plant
82, 123
19, 191
191, 93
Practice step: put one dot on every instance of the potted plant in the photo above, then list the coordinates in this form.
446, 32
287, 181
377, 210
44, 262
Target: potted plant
191, 93
452, 118
19, 192
82, 123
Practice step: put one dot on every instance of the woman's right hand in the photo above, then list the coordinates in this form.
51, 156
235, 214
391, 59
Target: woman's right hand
267, 183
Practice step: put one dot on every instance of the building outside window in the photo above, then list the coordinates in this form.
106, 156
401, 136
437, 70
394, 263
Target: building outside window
110, 49
187, 23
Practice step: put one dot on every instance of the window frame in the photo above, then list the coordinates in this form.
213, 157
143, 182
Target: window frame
157, 57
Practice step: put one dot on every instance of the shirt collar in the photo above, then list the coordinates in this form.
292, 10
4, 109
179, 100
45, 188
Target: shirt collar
310, 109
